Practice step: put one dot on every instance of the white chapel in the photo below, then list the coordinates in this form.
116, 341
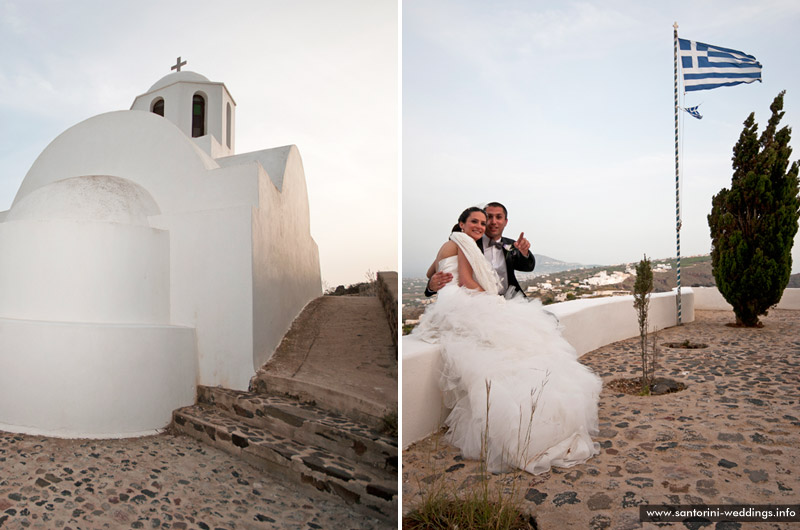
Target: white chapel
141, 257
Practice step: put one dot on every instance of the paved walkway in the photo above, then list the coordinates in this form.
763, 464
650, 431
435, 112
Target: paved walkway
732, 437
339, 352
161, 481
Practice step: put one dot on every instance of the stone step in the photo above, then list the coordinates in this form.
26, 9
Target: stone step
325, 396
306, 424
338, 353
367, 489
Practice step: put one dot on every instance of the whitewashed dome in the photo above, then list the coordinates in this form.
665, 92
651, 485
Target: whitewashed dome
174, 77
100, 198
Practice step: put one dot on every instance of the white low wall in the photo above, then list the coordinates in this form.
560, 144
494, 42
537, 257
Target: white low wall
590, 324
711, 298
587, 325
423, 409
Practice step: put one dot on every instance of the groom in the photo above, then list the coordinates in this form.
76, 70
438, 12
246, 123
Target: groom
504, 254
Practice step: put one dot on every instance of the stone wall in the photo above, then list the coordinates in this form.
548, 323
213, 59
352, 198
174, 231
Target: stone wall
387, 294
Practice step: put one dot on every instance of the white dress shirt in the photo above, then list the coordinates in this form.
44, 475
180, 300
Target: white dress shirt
498, 261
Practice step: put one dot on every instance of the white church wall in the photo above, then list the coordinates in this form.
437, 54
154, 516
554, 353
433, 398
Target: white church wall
286, 277
224, 188
274, 161
215, 114
286, 273
229, 128
93, 380
52, 270
210, 145
211, 285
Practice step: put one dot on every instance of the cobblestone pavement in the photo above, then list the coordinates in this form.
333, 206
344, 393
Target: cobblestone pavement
163, 481
731, 437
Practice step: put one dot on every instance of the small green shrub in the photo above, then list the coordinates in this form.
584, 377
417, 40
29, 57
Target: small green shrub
389, 426
641, 302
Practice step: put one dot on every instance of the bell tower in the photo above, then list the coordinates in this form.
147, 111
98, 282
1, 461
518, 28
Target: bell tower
202, 109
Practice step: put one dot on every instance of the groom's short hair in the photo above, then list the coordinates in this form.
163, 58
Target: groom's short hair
497, 205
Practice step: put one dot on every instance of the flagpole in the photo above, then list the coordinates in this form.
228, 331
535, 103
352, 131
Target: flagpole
677, 173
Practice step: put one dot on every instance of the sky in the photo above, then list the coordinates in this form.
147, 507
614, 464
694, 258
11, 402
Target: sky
563, 111
318, 74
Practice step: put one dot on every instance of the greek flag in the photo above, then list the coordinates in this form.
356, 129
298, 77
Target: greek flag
694, 112
706, 66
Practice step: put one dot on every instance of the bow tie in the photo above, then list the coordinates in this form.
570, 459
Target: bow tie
498, 244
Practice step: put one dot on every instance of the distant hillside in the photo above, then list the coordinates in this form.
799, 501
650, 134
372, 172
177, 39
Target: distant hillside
548, 265
695, 272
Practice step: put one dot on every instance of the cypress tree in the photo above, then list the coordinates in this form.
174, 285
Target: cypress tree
753, 223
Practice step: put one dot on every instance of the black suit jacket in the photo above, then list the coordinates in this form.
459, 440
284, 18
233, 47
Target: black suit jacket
514, 261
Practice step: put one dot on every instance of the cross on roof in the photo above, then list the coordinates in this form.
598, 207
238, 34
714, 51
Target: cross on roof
178, 65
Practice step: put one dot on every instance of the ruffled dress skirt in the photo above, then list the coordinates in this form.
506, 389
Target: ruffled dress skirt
508, 358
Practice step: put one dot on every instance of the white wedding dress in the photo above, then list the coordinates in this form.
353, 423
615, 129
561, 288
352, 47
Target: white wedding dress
542, 401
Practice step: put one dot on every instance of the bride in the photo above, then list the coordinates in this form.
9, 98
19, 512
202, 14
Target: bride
506, 357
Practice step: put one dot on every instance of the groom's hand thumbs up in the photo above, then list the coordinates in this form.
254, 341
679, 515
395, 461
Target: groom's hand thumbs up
522, 244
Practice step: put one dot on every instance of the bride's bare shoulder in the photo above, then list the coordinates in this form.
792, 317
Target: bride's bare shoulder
447, 250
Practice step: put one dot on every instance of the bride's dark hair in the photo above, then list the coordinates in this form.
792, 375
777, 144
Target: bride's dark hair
465, 215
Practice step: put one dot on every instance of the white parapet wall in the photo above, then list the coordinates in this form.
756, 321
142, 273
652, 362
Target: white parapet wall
586, 324
595, 322
422, 409
711, 298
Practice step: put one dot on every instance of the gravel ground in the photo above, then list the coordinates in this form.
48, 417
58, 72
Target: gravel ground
163, 481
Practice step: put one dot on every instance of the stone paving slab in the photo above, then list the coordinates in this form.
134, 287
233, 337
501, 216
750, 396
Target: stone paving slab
305, 423
732, 437
165, 481
364, 487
